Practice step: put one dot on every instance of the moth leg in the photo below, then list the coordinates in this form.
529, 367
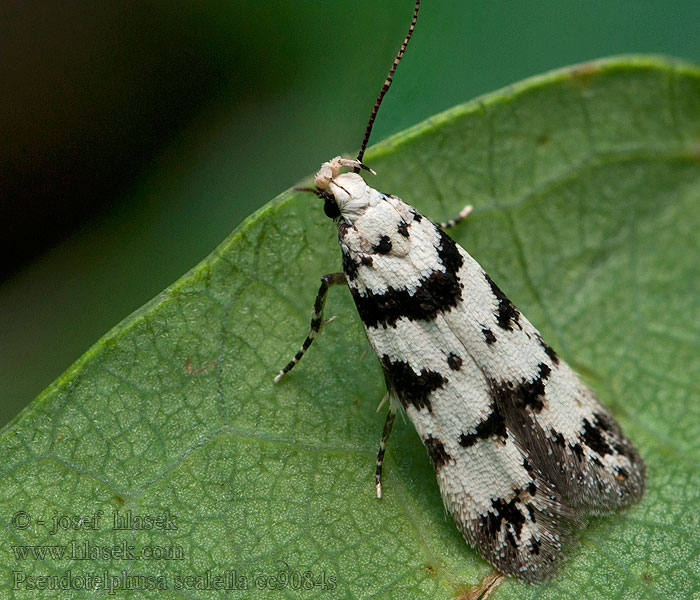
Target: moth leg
383, 402
317, 321
388, 424
458, 219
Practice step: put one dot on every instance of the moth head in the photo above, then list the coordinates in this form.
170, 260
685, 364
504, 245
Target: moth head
344, 195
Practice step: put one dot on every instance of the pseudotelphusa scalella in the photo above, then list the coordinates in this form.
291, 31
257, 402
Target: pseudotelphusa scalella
522, 449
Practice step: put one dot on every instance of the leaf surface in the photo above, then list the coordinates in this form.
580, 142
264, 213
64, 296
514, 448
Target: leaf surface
586, 187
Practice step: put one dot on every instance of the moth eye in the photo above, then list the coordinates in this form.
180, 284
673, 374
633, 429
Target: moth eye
331, 208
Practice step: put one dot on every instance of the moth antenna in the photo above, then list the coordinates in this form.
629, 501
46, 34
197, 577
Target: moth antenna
387, 84
325, 194
334, 182
314, 191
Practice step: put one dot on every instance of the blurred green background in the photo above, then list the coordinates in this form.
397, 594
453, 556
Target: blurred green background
137, 135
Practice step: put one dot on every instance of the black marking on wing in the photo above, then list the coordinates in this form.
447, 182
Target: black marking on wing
548, 350
493, 425
448, 253
454, 361
617, 441
506, 314
349, 267
558, 438
436, 451
505, 514
411, 387
403, 228
577, 449
489, 338
578, 466
438, 292
343, 229
594, 438
383, 246
524, 394
523, 535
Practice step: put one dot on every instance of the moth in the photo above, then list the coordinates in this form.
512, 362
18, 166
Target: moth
522, 448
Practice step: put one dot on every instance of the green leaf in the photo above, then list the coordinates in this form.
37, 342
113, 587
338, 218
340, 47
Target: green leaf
586, 187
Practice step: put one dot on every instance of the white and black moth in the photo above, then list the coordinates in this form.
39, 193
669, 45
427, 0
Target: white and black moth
522, 449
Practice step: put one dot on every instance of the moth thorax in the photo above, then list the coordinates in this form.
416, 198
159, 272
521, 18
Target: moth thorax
352, 195
349, 192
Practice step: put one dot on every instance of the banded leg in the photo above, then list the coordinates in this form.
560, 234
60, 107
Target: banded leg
458, 219
317, 321
388, 424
